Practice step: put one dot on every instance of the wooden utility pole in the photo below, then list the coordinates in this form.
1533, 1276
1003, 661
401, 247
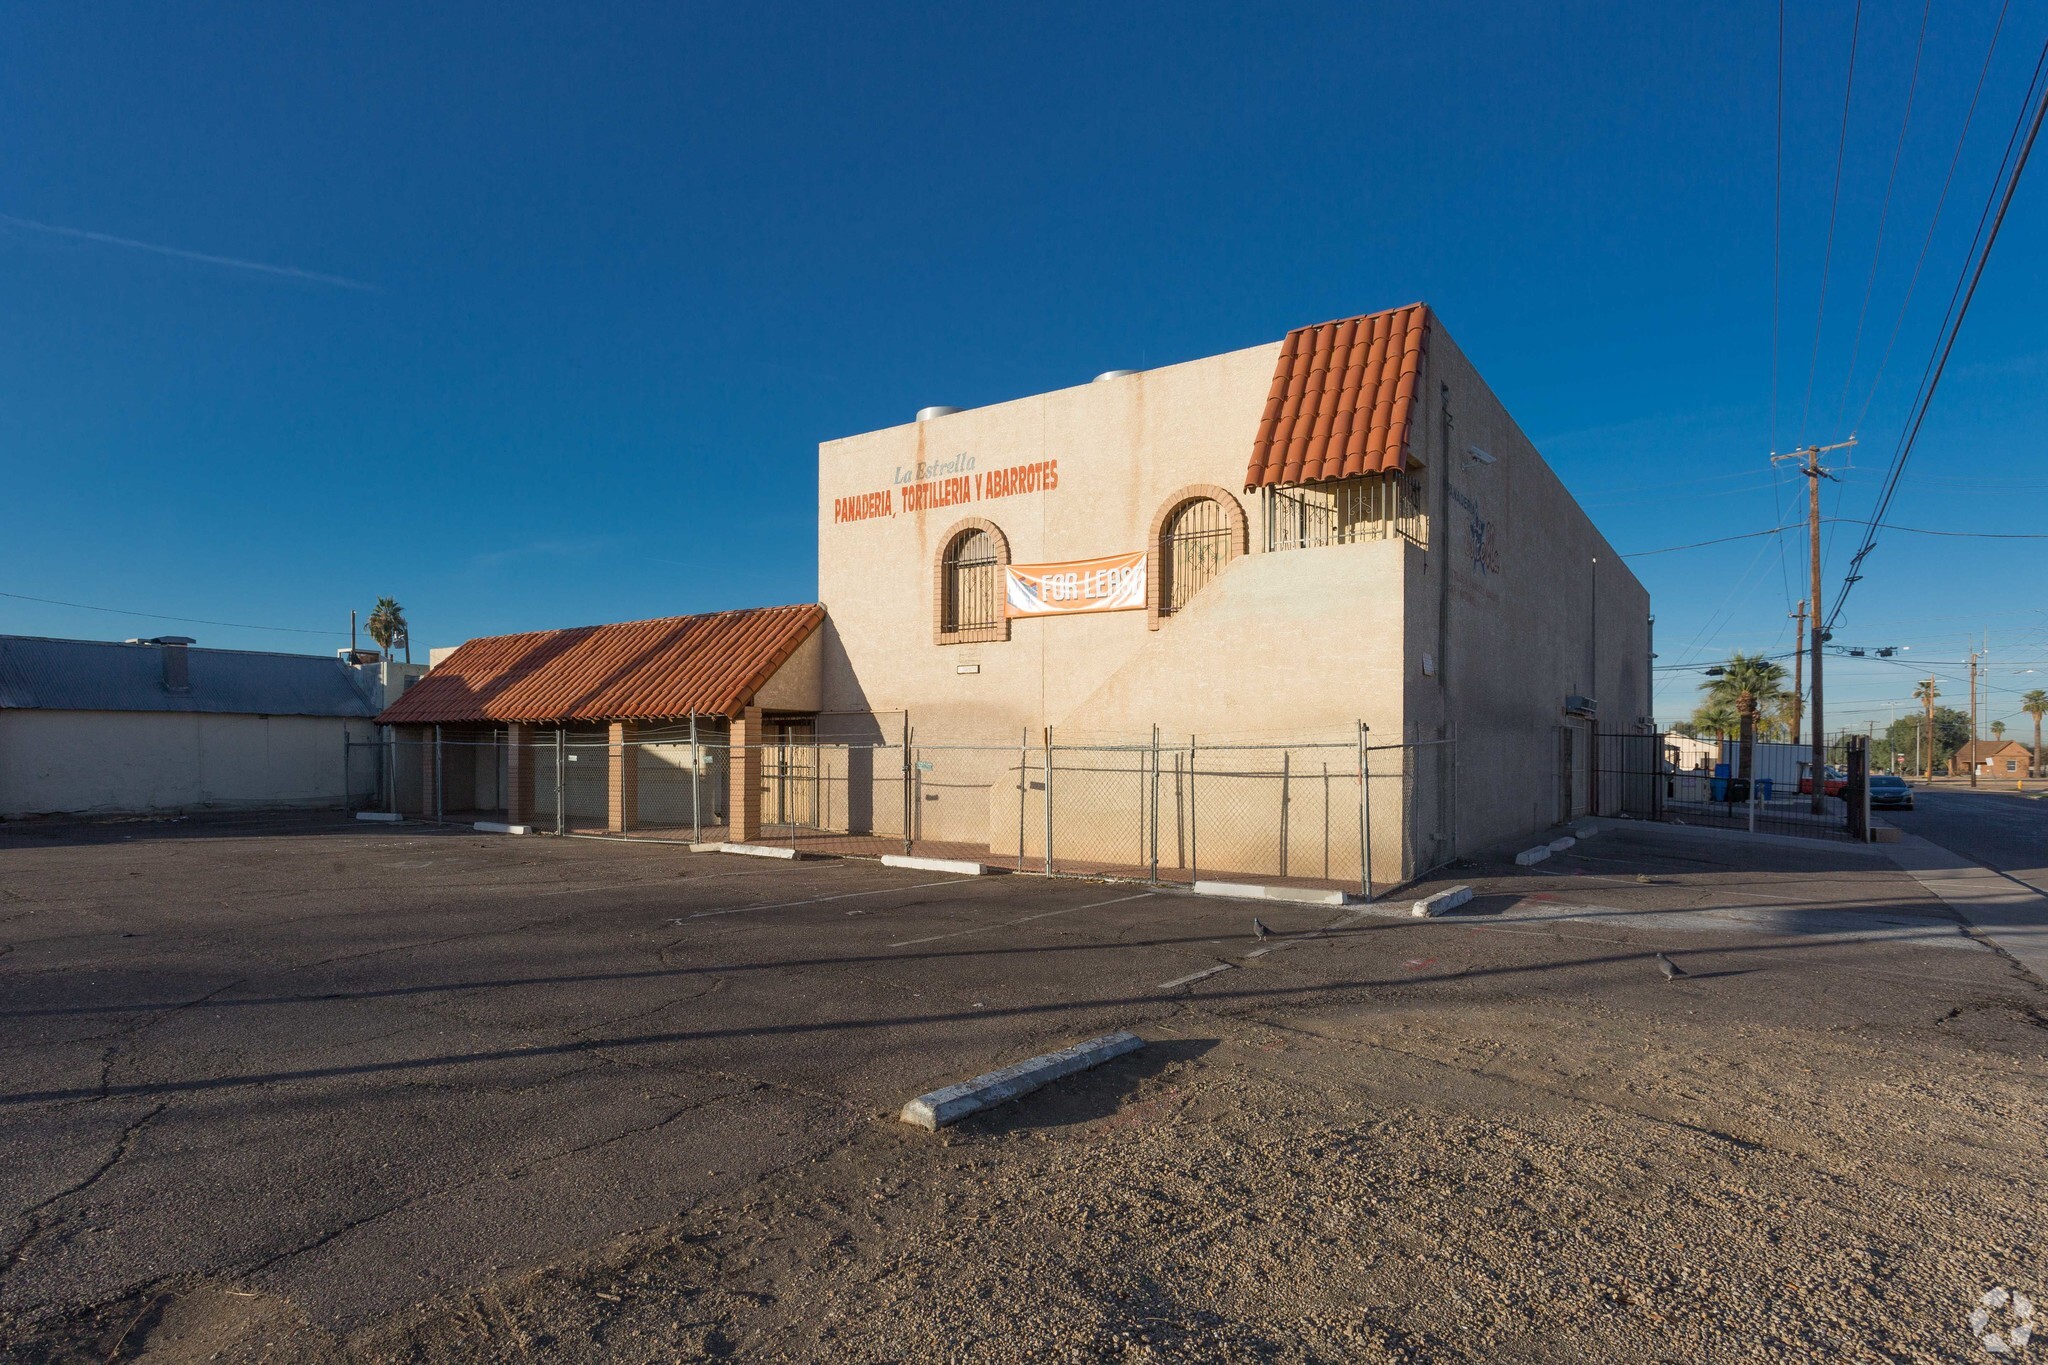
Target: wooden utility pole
1973, 717
1798, 671
1928, 774
1810, 466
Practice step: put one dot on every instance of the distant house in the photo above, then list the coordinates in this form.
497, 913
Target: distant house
1992, 758
147, 726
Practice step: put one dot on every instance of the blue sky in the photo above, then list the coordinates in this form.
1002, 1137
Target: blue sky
534, 315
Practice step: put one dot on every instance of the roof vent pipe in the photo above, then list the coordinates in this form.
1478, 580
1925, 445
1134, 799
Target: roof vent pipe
177, 664
1108, 375
926, 414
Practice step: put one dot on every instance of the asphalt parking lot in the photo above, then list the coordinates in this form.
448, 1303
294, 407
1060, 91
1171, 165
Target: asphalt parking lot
295, 1088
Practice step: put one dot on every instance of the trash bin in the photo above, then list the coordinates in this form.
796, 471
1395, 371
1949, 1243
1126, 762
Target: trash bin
1719, 784
1763, 789
1738, 790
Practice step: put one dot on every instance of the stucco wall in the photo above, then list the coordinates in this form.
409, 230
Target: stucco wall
1123, 447
138, 761
1289, 645
1532, 617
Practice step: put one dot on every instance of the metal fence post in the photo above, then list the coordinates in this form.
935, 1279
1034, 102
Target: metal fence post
440, 779
1364, 815
696, 784
1048, 800
1286, 777
1194, 862
906, 784
1155, 806
1023, 788
1326, 820
561, 780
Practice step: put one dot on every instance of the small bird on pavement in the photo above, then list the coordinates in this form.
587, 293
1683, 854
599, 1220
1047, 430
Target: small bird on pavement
1259, 929
1668, 967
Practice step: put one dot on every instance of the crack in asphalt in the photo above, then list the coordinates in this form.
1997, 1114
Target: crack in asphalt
34, 1215
509, 1173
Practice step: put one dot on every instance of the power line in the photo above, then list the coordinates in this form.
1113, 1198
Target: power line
159, 616
1882, 526
1884, 213
1946, 347
1834, 204
1955, 159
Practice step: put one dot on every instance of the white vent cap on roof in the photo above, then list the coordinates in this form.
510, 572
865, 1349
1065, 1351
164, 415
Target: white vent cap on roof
926, 414
1108, 375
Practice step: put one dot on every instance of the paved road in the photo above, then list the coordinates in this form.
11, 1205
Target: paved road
2004, 831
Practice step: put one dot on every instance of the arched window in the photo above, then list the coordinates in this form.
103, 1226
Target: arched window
1198, 532
969, 590
1196, 548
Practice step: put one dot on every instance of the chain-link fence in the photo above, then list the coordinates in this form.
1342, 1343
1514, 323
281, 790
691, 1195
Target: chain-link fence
1336, 813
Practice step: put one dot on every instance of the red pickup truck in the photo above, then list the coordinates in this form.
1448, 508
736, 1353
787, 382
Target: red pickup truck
1832, 783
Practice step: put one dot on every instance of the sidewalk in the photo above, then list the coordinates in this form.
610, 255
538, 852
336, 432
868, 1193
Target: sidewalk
2009, 913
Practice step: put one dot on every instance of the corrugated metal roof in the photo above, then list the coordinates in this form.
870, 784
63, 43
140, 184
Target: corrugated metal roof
104, 675
636, 670
1343, 399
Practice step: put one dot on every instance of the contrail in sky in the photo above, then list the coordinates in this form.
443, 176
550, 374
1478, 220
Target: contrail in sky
259, 267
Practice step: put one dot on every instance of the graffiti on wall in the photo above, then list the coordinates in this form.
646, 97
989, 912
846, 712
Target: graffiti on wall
1483, 535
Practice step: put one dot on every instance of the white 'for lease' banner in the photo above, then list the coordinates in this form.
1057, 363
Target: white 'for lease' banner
1108, 583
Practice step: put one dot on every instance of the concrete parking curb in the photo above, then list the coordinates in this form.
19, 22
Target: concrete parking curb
1529, 857
951, 1103
500, 827
1442, 902
382, 817
748, 850
1252, 891
959, 866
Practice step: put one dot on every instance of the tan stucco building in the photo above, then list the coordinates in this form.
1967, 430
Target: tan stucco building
1208, 585
1341, 526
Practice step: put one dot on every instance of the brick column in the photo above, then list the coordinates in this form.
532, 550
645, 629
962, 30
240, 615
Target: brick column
427, 773
624, 783
743, 806
519, 774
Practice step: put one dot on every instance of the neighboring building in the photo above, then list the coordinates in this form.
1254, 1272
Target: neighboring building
90, 726
1686, 754
1279, 544
1992, 758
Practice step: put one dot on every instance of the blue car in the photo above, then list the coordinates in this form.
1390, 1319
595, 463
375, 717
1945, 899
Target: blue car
1890, 793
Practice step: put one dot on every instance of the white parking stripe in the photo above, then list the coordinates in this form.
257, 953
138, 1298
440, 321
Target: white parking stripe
985, 928
1194, 976
814, 900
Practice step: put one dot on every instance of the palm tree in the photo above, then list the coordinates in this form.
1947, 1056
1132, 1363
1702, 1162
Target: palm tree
1925, 693
1998, 729
387, 624
1751, 684
1718, 718
2035, 704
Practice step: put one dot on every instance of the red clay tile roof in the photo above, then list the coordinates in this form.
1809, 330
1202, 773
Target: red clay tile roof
636, 670
1343, 399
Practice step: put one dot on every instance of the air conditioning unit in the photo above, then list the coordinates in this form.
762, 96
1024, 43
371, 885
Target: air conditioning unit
1581, 706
